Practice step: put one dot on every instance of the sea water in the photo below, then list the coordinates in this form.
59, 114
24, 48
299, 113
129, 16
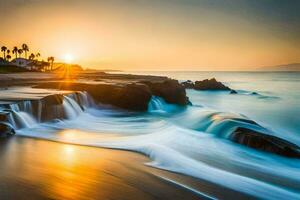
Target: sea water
194, 140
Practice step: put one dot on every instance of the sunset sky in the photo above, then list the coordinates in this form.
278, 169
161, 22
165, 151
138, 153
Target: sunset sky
157, 34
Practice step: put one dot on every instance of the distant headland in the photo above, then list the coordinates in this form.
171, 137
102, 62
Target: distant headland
285, 67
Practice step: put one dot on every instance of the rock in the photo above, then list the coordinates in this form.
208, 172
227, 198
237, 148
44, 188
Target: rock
170, 90
4, 116
210, 84
127, 96
233, 92
264, 142
188, 84
48, 108
134, 96
6, 129
55, 99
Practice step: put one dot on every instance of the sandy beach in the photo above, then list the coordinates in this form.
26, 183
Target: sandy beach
40, 169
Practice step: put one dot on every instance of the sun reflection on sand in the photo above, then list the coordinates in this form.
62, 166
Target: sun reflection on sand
38, 169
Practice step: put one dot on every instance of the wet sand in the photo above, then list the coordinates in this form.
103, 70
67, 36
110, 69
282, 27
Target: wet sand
40, 169
37, 169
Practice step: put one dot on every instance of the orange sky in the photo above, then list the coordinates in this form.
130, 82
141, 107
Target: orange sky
154, 35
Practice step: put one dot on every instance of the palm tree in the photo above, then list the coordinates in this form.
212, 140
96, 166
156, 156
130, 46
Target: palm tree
31, 57
51, 59
3, 49
25, 48
8, 57
15, 51
37, 56
20, 51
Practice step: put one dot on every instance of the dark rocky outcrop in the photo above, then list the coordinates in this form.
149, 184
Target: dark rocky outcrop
207, 84
6, 129
210, 84
48, 108
264, 142
170, 90
233, 92
55, 99
188, 84
133, 96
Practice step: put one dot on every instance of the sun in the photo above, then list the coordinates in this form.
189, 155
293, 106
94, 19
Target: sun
68, 58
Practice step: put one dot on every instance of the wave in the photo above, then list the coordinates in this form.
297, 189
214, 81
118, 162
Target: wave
191, 141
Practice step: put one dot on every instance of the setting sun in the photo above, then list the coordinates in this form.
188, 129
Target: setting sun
68, 58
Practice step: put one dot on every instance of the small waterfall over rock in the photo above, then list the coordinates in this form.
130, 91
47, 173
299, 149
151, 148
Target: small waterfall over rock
25, 120
156, 103
159, 105
27, 113
71, 107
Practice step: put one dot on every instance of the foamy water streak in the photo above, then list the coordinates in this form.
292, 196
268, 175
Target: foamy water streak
190, 141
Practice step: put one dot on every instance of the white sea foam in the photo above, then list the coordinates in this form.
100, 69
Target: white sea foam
190, 141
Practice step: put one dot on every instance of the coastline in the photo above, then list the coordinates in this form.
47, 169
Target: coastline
50, 99
29, 170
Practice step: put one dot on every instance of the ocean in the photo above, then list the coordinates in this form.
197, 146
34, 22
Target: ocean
194, 141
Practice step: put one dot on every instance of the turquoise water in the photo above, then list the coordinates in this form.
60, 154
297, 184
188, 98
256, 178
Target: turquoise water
194, 140
277, 105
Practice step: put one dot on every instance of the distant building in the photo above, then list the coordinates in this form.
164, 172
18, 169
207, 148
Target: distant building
22, 62
30, 64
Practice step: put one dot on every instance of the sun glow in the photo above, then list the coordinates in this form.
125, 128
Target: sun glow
68, 58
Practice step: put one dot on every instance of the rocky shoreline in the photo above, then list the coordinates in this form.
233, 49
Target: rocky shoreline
132, 96
129, 92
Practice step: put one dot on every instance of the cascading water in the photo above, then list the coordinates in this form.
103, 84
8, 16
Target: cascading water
24, 115
25, 120
71, 108
174, 145
188, 141
158, 105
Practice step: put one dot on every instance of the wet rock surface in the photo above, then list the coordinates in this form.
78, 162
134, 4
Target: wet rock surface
132, 96
170, 90
207, 84
188, 84
233, 92
6, 130
264, 142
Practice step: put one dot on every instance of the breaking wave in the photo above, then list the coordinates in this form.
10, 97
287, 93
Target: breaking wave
191, 141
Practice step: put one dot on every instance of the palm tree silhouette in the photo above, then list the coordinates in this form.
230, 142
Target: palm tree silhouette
31, 57
3, 49
51, 60
20, 51
8, 57
15, 51
37, 56
25, 48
